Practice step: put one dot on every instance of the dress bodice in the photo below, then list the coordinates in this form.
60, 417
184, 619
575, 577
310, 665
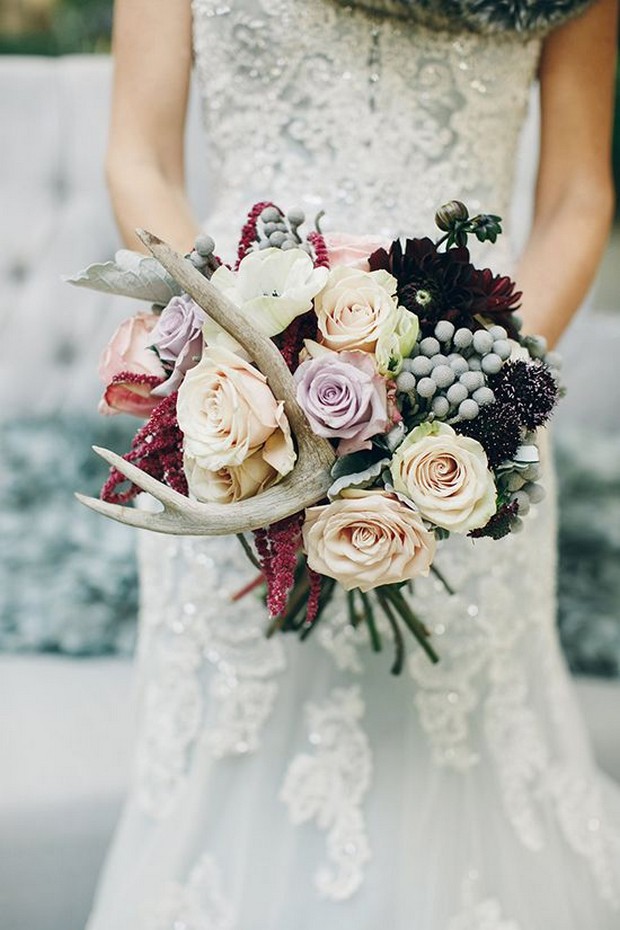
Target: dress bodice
376, 119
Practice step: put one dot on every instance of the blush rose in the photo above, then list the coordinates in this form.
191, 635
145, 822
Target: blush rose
352, 251
366, 539
129, 352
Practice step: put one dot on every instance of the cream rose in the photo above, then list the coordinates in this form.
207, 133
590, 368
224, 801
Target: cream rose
230, 484
366, 539
271, 287
446, 476
227, 412
353, 308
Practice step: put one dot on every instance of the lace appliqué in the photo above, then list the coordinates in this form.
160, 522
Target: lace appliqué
330, 787
582, 821
479, 913
188, 624
199, 904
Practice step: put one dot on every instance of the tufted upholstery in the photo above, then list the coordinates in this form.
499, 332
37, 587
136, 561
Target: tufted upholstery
64, 729
55, 219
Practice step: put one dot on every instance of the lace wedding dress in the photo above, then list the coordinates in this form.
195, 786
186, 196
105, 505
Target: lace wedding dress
288, 786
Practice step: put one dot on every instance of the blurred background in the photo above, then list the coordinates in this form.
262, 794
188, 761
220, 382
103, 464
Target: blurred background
68, 580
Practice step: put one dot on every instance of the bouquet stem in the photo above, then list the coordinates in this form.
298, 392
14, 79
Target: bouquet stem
413, 623
399, 644
375, 639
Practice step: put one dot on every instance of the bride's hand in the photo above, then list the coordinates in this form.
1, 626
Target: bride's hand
574, 190
145, 160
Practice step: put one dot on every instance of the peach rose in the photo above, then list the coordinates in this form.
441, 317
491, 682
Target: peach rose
353, 308
366, 539
227, 412
352, 251
446, 476
128, 351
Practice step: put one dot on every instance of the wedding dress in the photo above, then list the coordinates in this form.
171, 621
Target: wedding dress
281, 785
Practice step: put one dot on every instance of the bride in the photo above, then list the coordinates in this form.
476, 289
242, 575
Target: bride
288, 786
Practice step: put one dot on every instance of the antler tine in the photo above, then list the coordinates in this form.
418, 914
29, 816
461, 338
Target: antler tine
304, 486
182, 516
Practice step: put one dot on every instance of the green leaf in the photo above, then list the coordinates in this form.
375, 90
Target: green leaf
362, 476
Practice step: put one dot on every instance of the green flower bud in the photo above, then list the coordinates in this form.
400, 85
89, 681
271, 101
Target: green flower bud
450, 213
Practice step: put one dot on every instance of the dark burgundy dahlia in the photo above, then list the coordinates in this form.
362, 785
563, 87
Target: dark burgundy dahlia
445, 285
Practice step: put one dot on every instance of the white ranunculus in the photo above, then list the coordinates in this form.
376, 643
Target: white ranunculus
271, 288
446, 476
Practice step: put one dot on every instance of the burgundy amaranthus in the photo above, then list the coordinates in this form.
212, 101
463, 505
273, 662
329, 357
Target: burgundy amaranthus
157, 448
312, 607
317, 242
248, 233
277, 548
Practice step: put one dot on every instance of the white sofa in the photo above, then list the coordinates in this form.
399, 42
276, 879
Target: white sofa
65, 732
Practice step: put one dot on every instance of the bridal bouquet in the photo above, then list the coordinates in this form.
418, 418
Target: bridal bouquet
395, 402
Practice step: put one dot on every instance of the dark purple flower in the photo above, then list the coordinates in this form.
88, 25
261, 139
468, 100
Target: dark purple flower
446, 286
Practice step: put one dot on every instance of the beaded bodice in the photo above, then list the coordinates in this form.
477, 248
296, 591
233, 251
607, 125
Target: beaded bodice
375, 119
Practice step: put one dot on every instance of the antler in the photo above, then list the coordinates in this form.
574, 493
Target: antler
304, 486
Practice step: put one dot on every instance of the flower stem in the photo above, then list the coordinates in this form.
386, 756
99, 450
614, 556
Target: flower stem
399, 645
249, 551
414, 623
375, 639
247, 588
441, 577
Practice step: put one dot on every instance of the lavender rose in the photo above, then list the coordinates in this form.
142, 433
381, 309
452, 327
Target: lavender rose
344, 398
178, 339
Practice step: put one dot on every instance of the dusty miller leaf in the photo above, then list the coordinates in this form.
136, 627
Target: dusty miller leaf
129, 275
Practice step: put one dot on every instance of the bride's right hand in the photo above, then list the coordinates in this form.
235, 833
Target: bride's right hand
152, 49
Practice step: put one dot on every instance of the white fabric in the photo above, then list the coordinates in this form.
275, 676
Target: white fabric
283, 785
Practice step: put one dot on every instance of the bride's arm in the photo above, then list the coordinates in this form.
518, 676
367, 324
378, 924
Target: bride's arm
145, 159
574, 190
